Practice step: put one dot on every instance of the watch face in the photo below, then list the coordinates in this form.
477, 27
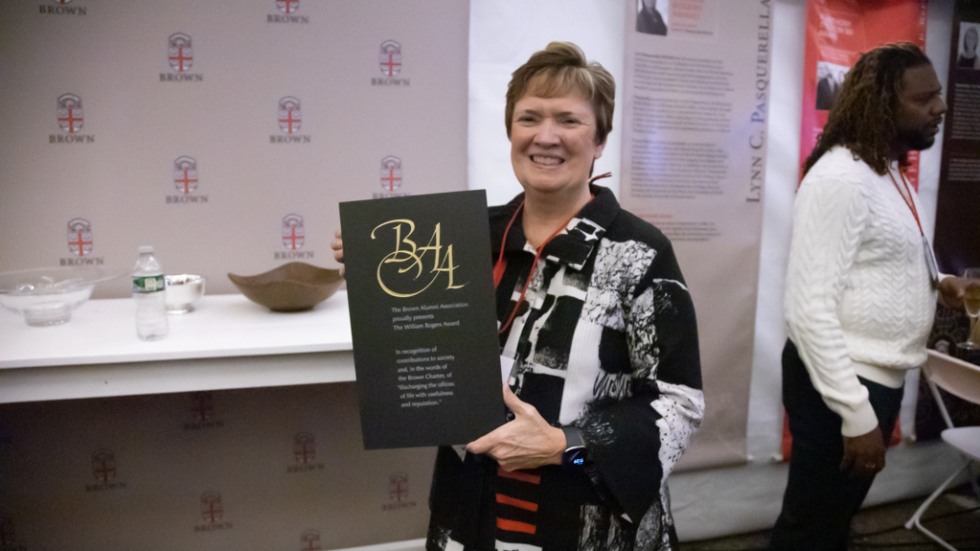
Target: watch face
574, 457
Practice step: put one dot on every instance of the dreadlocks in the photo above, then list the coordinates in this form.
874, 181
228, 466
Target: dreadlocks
863, 116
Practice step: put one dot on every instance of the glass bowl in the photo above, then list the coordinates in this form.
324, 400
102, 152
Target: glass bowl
47, 296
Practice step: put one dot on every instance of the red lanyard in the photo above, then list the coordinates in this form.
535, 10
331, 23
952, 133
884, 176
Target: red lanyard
907, 198
501, 264
498, 267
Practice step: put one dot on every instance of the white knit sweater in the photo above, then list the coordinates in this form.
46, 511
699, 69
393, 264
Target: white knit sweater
859, 301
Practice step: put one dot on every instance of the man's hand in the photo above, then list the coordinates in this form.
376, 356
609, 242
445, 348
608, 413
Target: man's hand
864, 456
525, 442
952, 290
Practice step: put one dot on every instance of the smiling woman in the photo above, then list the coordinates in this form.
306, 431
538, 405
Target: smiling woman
598, 328
595, 318
553, 148
558, 115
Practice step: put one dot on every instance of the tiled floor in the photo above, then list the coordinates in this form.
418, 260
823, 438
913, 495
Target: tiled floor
955, 517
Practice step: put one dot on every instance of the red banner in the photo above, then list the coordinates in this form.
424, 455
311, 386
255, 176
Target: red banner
837, 33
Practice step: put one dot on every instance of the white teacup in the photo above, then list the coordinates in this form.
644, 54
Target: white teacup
183, 292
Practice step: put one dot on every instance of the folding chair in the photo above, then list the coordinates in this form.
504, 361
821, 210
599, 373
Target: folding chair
961, 379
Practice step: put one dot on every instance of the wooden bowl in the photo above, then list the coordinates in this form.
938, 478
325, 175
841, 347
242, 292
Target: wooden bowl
292, 287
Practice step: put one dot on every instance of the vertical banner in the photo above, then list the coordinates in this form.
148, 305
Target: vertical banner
957, 238
696, 91
837, 33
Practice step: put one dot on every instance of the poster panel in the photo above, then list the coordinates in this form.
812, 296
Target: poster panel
957, 237
696, 90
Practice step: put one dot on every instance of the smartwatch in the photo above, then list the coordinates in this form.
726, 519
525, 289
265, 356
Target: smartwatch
575, 451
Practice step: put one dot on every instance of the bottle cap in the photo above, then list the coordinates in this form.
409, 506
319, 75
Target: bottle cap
144, 249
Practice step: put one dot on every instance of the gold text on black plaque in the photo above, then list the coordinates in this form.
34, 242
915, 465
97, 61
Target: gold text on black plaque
409, 269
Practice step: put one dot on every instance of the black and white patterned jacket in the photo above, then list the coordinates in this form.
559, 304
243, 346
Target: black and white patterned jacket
606, 340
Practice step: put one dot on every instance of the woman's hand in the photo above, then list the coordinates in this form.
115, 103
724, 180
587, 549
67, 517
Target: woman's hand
525, 442
338, 250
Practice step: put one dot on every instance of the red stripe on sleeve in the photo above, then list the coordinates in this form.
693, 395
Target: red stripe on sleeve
519, 503
516, 526
522, 476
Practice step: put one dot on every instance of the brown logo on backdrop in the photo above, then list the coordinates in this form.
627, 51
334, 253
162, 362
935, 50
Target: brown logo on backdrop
80, 244
104, 472
202, 412
60, 7
304, 454
289, 117
310, 540
180, 52
287, 6
398, 493
391, 65
292, 233
180, 57
390, 58
212, 513
71, 120
185, 175
287, 13
103, 466
79, 237
391, 174
186, 181
391, 178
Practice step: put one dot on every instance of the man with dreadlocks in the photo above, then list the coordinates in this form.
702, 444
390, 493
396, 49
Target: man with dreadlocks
861, 290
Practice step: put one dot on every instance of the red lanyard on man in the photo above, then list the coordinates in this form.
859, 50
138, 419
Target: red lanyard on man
926, 246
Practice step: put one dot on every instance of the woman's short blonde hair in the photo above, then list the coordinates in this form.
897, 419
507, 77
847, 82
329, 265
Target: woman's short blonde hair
560, 69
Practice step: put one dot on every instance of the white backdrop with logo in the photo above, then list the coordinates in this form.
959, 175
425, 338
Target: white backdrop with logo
224, 133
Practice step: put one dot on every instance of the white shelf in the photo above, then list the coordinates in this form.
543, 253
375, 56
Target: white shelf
228, 342
407, 545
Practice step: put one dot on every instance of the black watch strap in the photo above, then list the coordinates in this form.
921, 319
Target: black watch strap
575, 451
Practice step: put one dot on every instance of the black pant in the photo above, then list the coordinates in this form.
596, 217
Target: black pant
820, 500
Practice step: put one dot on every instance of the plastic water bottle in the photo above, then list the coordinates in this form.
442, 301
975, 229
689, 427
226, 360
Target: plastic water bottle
149, 294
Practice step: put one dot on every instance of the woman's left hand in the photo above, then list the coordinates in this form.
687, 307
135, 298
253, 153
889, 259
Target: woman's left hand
338, 250
526, 442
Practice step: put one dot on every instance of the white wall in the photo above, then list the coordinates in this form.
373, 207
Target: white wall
744, 498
